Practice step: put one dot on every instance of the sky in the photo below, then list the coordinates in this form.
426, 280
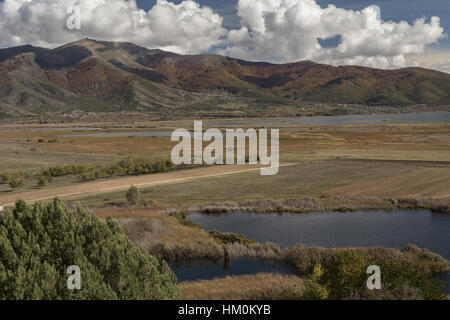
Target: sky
396, 10
374, 33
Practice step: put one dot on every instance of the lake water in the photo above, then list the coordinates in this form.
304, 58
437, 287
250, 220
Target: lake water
402, 118
394, 229
120, 134
63, 129
408, 118
149, 134
207, 270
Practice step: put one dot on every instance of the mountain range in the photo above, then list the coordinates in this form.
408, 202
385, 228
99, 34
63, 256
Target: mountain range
101, 76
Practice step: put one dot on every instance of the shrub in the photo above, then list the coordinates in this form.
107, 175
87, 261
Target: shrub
344, 209
16, 183
38, 243
133, 195
313, 289
88, 176
400, 274
345, 277
5, 178
127, 166
179, 215
345, 272
42, 181
228, 238
191, 224
19, 174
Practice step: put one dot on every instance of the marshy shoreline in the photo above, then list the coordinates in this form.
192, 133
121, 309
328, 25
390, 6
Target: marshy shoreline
184, 240
226, 249
312, 204
168, 234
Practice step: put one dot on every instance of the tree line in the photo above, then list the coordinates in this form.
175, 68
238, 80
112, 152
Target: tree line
85, 172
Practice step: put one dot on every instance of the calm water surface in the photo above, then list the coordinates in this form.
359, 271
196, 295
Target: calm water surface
393, 229
207, 270
403, 118
409, 118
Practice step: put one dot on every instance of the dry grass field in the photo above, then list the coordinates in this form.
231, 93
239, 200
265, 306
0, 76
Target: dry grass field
262, 286
122, 184
387, 160
21, 149
165, 236
333, 177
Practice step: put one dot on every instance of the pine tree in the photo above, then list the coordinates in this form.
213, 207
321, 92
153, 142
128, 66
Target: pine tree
38, 243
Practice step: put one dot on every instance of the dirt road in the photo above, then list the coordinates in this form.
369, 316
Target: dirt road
111, 185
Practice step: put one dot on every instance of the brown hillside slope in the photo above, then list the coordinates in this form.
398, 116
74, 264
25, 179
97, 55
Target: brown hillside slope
105, 76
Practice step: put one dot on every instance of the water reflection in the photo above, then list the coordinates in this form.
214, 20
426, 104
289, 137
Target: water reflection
209, 269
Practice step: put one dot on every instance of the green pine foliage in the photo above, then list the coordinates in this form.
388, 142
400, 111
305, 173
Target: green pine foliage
38, 243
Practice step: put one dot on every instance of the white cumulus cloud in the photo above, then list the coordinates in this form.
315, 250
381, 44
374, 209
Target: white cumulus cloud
290, 30
443, 67
184, 28
280, 30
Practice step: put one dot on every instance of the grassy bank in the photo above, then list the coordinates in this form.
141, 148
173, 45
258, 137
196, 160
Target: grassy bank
250, 287
324, 203
290, 205
303, 259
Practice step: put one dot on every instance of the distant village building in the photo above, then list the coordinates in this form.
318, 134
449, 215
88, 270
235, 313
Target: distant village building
1, 208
